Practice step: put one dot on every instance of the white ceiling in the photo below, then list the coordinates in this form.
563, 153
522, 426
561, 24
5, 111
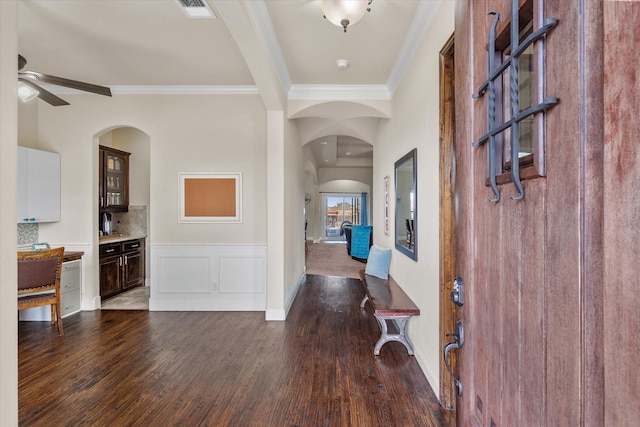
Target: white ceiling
135, 45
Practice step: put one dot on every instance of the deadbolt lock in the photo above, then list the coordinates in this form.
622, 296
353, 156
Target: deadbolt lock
457, 294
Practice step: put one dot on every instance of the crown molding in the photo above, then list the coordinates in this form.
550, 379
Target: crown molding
164, 90
297, 92
186, 90
421, 22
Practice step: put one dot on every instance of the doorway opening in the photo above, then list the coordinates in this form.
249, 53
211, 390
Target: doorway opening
123, 184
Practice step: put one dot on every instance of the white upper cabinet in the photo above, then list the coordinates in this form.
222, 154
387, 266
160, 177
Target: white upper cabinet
38, 198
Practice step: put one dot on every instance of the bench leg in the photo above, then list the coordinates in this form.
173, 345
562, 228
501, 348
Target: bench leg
401, 336
364, 300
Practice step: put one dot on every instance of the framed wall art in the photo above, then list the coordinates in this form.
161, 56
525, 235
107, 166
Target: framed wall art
210, 197
386, 205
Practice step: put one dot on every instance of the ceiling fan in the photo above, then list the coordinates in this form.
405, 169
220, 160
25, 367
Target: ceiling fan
28, 78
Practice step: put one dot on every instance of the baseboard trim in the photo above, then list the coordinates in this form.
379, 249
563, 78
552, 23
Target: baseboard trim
294, 292
277, 315
156, 304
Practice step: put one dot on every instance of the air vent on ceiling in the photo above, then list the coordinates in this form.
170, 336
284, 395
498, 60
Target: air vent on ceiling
196, 9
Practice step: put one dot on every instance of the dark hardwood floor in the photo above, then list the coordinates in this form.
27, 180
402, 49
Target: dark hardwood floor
140, 368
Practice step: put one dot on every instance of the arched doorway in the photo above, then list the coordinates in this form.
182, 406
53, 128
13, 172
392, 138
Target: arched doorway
129, 226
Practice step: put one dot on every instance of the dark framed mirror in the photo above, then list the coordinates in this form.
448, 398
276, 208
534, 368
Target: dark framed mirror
406, 224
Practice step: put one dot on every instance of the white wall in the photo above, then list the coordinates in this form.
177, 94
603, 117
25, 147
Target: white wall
28, 124
138, 144
344, 186
285, 181
415, 124
311, 186
364, 175
8, 229
199, 133
312, 189
294, 256
275, 214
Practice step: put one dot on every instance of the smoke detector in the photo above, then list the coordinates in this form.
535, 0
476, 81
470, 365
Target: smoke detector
342, 64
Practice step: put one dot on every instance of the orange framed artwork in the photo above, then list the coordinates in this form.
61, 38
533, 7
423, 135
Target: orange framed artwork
210, 197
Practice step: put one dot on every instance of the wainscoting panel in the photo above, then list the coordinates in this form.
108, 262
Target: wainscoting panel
242, 275
208, 278
185, 275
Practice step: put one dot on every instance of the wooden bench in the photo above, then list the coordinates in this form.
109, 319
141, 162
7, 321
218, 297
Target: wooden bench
389, 302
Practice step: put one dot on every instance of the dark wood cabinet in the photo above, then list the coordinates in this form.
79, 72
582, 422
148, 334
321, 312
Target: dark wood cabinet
122, 267
113, 180
133, 264
110, 276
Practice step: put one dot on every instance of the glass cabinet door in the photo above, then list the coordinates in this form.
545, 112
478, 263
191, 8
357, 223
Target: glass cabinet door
114, 180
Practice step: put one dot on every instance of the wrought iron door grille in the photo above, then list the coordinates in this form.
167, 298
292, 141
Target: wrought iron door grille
488, 87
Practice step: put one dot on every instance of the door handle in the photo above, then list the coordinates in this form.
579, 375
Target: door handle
458, 342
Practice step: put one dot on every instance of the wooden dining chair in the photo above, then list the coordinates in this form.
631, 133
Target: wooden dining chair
39, 281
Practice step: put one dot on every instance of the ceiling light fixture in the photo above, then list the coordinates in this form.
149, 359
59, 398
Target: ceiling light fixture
345, 13
26, 93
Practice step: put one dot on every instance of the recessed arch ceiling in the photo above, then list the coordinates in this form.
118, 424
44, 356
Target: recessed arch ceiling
341, 151
339, 110
363, 128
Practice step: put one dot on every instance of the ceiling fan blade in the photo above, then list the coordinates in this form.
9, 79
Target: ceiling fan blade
22, 61
44, 94
73, 84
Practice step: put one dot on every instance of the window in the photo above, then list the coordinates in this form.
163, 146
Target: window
516, 100
527, 144
340, 208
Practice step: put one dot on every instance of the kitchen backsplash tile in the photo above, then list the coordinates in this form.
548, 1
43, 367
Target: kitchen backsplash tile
27, 234
132, 223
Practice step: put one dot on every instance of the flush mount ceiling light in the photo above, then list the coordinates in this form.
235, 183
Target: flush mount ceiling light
342, 64
345, 13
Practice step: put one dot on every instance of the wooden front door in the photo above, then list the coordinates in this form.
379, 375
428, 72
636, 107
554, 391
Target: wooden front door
531, 259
